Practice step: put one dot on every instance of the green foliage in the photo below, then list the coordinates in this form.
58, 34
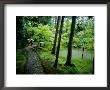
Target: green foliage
46, 55
67, 24
84, 32
84, 37
41, 34
26, 22
41, 29
77, 42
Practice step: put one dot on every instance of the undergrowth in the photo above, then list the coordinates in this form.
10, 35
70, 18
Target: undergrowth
82, 66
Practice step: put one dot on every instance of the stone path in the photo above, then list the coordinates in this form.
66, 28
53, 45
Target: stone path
33, 63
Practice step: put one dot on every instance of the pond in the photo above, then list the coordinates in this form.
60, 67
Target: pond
77, 53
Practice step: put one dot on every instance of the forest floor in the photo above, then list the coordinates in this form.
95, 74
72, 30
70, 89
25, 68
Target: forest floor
43, 60
82, 66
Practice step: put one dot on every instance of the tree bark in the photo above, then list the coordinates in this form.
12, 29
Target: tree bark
55, 39
59, 40
69, 55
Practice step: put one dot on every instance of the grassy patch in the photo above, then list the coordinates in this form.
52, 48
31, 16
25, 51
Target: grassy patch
67, 70
82, 66
20, 61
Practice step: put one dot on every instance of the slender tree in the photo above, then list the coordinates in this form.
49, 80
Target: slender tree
83, 47
82, 51
56, 33
69, 55
59, 40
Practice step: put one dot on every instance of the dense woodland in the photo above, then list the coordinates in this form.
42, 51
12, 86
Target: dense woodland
55, 44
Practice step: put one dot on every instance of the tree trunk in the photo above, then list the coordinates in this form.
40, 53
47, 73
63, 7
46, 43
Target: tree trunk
82, 52
55, 39
68, 62
59, 39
